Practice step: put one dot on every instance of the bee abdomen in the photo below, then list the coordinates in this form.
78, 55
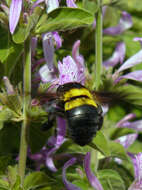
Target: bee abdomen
83, 123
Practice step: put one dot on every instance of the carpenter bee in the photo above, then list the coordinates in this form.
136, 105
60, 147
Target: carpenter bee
77, 105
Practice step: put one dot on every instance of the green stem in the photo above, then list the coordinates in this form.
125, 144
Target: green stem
26, 102
98, 46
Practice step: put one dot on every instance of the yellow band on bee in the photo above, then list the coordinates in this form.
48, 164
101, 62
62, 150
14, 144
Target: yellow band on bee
77, 92
79, 102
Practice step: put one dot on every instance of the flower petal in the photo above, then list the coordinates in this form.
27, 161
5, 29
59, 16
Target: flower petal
71, 3
127, 140
33, 45
51, 5
58, 39
69, 185
79, 61
68, 70
48, 48
46, 75
14, 14
132, 61
137, 163
91, 177
136, 125
126, 119
124, 24
36, 4
49, 160
138, 39
118, 56
136, 75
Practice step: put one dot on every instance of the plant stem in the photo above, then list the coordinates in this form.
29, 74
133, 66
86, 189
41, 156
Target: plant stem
26, 102
98, 46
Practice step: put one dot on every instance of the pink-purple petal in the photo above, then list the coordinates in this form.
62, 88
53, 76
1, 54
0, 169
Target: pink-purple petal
138, 39
46, 75
136, 125
91, 177
135, 75
58, 39
68, 70
14, 14
126, 119
51, 5
79, 61
132, 61
33, 45
68, 185
48, 49
37, 3
124, 24
137, 163
117, 57
71, 3
127, 140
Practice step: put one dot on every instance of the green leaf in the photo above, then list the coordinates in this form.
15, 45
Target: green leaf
117, 150
133, 94
111, 180
4, 162
90, 6
36, 179
82, 184
4, 185
12, 174
37, 138
22, 32
118, 132
102, 143
65, 19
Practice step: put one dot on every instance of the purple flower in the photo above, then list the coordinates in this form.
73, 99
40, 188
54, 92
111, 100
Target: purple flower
117, 56
68, 71
132, 61
44, 157
58, 39
125, 123
138, 39
124, 24
91, 177
48, 49
69, 185
71, 3
51, 5
137, 163
14, 14
8, 85
127, 140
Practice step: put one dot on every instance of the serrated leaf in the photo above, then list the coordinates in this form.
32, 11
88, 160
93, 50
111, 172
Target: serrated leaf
22, 32
90, 6
13, 102
117, 150
35, 179
12, 175
5, 115
133, 94
110, 179
65, 19
102, 143
37, 138
4, 185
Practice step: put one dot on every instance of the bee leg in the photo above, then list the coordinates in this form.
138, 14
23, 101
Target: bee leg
48, 124
52, 113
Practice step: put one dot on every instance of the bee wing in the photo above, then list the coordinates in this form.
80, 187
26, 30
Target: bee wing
48, 97
108, 97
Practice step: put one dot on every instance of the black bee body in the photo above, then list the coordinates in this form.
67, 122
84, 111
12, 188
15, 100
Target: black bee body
83, 115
